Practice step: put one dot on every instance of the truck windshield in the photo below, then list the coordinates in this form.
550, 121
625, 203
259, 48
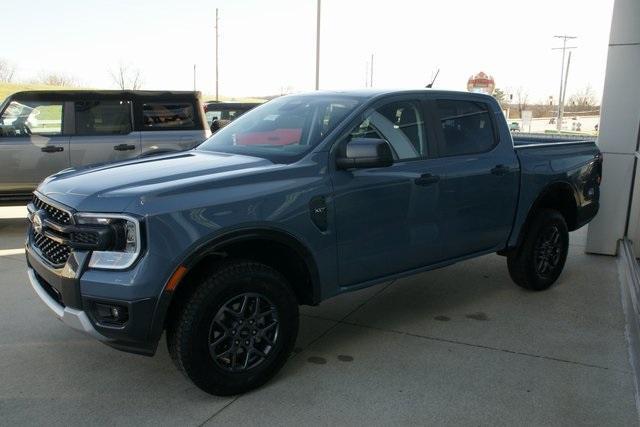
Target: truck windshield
284, 129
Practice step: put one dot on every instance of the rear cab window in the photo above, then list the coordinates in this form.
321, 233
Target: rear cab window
466, 126
168, 116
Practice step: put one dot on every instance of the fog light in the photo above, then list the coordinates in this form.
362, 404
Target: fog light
111, 313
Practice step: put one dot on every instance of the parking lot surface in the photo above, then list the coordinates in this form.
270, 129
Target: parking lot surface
462, 345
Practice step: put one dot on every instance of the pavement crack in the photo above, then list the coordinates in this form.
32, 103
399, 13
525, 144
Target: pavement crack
342, 320
485, 347
215, 414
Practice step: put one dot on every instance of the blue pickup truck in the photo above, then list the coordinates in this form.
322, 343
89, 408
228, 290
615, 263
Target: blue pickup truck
301, 199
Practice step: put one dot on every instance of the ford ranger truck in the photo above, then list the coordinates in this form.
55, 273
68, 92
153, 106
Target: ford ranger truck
300, 199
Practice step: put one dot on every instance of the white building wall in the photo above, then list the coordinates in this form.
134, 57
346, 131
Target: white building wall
619, 135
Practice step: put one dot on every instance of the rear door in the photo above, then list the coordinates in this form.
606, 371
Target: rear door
103, 132
168, 126
33, 143
479, 190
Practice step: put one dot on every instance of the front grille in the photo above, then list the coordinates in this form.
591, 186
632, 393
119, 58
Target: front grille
86, 237
54, 252
58, 215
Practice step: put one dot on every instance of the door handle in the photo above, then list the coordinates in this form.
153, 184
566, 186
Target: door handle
500, 170
52, 149
427, 179
124, 147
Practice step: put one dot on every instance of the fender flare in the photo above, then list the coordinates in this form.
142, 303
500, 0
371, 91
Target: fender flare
201, 251
549, 188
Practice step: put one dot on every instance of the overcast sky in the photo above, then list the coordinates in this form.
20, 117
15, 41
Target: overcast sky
269, 45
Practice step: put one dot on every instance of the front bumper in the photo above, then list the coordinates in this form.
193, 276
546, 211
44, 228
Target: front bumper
74, 318
60, 290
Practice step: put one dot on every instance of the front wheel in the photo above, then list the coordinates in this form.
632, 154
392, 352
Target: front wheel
538, 262
236, 330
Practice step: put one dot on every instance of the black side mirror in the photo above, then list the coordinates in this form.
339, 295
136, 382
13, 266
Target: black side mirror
365, 153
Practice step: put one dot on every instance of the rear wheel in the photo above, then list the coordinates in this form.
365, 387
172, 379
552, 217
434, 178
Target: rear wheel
236, 330
537, 264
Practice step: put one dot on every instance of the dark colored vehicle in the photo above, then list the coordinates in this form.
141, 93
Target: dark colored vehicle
220, 114
218, 246
43, 132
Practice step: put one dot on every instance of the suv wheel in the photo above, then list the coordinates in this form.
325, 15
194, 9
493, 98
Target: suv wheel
537, 264
236, 330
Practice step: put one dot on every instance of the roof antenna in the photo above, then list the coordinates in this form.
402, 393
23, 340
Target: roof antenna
430, 85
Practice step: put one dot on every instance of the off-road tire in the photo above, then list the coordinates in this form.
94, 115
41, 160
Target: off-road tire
188, 337
524, 262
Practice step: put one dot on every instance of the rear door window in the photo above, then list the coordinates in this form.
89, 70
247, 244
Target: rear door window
466, 127
168, 115
103, 117
25, 118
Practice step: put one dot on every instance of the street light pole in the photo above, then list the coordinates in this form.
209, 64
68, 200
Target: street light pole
318, 46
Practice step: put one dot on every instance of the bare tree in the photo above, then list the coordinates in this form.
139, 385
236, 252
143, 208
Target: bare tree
7, 71
502, 98
585, 98
57, 79
127, 78
522, 98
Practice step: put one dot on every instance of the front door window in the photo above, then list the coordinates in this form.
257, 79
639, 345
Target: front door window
25, 118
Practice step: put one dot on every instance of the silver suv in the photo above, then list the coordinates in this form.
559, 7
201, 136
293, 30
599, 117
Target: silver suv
43, 132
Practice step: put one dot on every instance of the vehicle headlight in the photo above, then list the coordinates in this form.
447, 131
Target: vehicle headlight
125, 246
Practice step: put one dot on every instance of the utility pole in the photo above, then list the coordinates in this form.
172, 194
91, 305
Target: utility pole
566, 77
194, 77
318, 46
366, 73
371, 73
562, 75
217, 99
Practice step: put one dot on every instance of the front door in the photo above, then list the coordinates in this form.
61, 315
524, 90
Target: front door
33, 144
386, 218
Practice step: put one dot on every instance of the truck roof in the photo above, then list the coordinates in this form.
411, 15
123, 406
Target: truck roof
88, 93
372, 93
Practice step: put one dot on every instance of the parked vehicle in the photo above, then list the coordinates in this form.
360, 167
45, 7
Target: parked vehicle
43, 132
301, 199
220, 114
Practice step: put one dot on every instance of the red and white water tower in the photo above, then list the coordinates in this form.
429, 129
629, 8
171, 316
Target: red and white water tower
481, 83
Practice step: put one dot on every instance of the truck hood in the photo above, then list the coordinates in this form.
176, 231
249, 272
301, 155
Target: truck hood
113, 187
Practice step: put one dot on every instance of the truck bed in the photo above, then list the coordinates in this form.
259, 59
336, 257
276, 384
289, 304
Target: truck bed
522, 139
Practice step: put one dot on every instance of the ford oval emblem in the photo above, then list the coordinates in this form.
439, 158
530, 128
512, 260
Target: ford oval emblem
37, 221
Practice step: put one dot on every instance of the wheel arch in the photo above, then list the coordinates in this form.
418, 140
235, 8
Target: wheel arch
258, 244
557, 195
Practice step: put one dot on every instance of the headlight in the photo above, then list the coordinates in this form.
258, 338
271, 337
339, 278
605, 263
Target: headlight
125, 246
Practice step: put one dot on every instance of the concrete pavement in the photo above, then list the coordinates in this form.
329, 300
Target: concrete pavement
461, 345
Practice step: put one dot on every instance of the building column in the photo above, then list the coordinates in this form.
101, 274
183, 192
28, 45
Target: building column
618, 138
